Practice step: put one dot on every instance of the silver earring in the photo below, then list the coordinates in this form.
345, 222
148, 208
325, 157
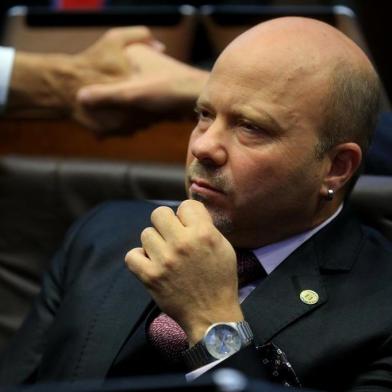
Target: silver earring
330, 194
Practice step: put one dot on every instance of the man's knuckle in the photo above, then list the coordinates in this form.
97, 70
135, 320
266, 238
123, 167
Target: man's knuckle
159, 212
184, 207
130, 258
207, 236
153, 278
129, 255
188, 203
112, 33
167, 258
142, 31
182, 247
168, 264
146, 234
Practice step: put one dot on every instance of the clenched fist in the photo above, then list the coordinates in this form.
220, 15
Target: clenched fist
188, 267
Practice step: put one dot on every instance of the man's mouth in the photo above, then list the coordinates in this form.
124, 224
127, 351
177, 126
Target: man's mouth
203, 187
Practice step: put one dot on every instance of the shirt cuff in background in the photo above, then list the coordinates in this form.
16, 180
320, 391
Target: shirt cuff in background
6, 63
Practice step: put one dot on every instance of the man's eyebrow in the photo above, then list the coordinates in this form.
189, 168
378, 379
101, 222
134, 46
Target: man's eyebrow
259, 115
203, 103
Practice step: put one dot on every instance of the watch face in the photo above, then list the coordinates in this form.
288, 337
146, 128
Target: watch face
222, 341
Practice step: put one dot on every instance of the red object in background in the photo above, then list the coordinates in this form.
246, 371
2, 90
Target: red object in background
79, 4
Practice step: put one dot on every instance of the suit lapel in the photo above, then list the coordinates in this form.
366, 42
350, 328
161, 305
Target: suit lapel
276, 302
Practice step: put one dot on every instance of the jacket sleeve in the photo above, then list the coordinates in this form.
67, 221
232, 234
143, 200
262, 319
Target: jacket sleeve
21, 358
377, 376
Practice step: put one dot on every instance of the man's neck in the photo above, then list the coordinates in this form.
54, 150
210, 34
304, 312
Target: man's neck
270, 256
293, 227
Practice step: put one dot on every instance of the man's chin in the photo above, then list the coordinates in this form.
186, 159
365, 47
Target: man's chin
221, 220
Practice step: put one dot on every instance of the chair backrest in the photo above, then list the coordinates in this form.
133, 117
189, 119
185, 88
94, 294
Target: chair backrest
42, 29
372, 199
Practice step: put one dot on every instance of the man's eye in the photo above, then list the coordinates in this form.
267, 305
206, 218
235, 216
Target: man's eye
202, 114
250, 127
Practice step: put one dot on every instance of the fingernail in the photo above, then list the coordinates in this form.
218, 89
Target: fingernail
158, 45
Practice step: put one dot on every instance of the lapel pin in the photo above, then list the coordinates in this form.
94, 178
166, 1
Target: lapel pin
309, 297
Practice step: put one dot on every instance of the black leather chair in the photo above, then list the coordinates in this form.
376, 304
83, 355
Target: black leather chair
40, 198
371, 198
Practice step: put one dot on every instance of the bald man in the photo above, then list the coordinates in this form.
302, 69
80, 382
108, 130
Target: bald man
264, 268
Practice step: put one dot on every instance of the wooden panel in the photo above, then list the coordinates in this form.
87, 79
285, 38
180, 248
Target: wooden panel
166, 142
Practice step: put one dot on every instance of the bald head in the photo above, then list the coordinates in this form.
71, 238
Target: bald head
334, 75
298, 44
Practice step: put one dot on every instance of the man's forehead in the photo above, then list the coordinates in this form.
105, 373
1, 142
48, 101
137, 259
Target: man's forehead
262, 76
266, 53
295, 42
267, 85
273, 63
257, 106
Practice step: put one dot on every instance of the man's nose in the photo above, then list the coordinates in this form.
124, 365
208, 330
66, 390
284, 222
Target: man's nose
210, 146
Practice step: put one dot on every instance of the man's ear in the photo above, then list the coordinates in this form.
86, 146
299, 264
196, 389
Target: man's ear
345, 160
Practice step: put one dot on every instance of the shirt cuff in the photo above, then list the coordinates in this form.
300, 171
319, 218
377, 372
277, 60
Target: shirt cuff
6, 63
201, 370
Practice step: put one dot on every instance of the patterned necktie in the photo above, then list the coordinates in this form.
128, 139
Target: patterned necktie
170, 339
249, 268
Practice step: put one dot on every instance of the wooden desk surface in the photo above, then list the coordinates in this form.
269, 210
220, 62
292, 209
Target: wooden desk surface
166, 142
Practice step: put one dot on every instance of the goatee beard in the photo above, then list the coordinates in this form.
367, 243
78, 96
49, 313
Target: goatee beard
221, 221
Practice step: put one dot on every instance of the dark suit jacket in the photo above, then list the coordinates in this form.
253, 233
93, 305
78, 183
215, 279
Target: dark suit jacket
88, 322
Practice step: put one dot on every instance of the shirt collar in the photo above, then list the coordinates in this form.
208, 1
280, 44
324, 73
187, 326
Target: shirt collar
270, 256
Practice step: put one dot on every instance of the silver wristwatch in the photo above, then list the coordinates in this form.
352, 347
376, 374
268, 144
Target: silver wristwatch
220, 341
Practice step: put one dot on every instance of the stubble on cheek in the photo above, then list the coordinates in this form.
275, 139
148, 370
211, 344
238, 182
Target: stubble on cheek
213, 175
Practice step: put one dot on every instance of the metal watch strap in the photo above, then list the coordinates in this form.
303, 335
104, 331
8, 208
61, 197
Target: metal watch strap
198, 355
245, 333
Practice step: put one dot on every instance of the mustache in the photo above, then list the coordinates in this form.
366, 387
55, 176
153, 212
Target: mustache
197, 170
